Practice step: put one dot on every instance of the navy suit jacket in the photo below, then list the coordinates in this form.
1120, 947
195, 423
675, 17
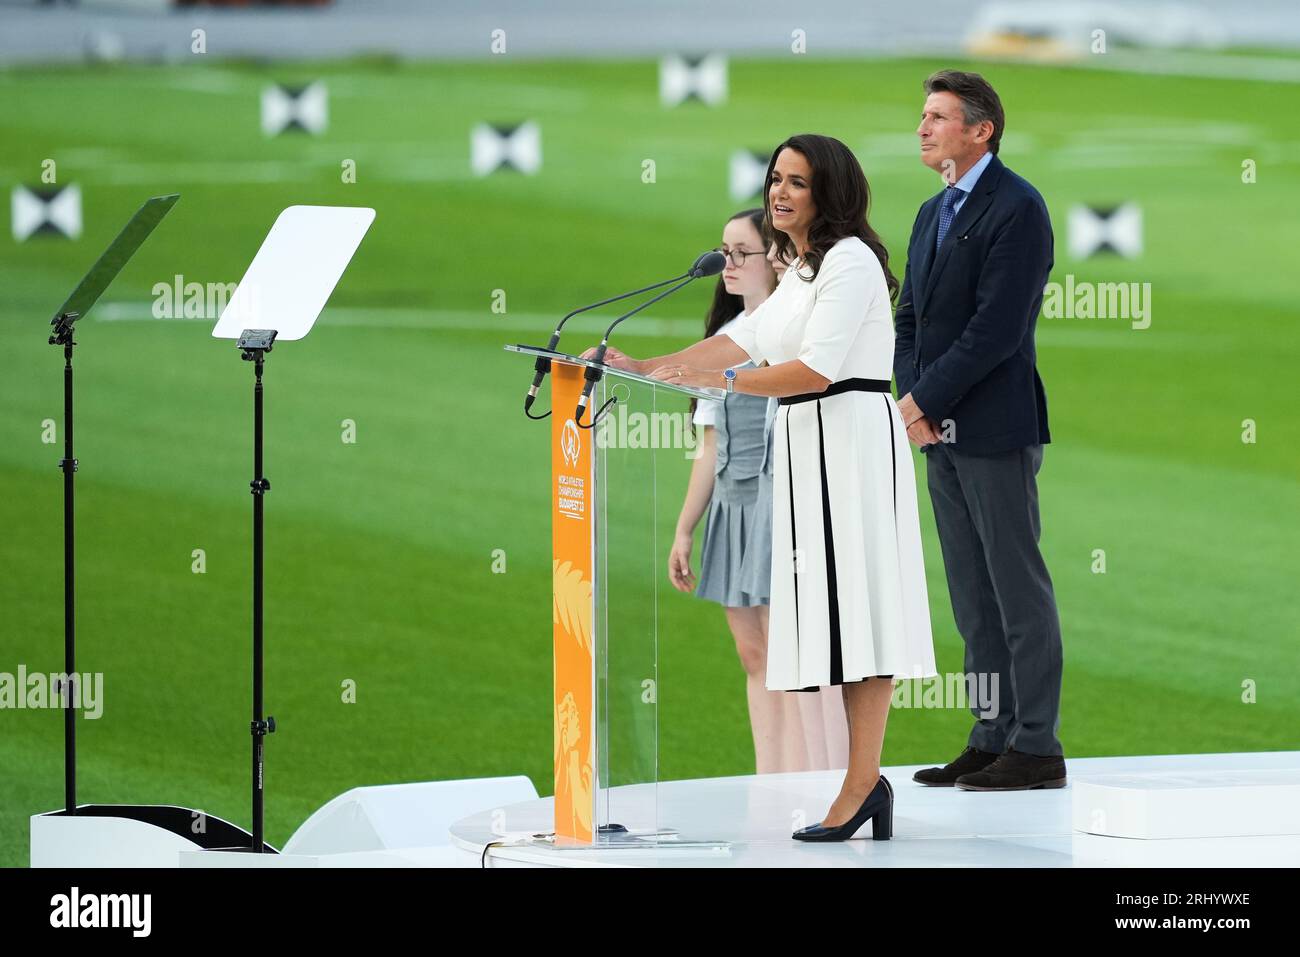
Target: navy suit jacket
964, 327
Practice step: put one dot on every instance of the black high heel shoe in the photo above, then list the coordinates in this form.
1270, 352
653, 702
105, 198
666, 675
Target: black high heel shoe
879, 806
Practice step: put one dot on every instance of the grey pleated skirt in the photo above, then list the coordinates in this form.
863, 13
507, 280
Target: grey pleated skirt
736, 557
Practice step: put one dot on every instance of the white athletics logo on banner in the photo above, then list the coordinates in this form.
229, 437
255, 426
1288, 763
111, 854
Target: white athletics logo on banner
571, 443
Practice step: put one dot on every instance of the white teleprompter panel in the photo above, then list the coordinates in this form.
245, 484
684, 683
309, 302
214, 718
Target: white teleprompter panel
294, 272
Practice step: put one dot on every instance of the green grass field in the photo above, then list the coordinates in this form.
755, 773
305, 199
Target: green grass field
380, 552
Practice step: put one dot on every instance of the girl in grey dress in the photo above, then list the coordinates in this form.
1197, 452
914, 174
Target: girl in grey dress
736, 554
731, 489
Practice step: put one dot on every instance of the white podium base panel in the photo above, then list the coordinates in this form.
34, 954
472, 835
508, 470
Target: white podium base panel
1191, 804
127, 835
393, 825
933, 827
444, 856
401, 815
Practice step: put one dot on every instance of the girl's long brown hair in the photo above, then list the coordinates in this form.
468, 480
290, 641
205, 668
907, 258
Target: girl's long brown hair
727, 306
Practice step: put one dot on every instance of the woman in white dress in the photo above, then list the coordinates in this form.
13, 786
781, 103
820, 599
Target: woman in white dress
848, 595
730, 490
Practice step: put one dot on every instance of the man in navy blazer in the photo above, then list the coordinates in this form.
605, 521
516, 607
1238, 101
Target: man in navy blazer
971, 397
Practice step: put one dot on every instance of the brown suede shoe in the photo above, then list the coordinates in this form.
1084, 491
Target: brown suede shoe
970, 760
1017, 771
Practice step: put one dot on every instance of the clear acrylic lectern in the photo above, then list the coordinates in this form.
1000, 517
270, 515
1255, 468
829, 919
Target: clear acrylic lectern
615, 492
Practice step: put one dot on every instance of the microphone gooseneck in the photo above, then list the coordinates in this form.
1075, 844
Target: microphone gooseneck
707, 264
543, 365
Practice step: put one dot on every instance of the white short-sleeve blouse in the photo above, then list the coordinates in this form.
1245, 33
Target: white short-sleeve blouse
840, 324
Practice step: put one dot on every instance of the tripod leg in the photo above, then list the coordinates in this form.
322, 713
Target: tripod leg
260, 727
69, 466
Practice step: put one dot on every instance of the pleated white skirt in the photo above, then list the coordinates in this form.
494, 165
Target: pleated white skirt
848, 595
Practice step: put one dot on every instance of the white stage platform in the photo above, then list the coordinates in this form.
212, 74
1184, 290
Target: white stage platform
933, 827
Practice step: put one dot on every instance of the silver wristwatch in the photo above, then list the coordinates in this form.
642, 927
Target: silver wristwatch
730, 376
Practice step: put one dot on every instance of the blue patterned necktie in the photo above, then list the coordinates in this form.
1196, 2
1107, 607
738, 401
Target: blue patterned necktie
950, 196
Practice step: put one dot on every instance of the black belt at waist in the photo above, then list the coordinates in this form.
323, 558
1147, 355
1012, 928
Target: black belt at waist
847, 385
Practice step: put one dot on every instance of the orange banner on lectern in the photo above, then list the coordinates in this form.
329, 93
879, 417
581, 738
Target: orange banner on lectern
573, 607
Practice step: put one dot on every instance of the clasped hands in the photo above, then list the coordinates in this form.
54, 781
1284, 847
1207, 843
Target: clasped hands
921, 429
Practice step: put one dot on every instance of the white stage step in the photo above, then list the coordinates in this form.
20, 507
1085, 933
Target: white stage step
1190, 804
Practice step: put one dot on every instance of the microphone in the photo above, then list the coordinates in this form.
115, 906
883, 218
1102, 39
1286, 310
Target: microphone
543, 364
706, 264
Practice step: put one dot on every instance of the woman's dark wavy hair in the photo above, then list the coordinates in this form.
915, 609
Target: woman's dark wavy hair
842, 197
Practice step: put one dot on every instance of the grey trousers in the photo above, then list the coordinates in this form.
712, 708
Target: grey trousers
986, 510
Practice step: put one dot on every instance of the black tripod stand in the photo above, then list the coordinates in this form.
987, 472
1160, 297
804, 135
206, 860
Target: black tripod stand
254, 344
62, 336
291, 278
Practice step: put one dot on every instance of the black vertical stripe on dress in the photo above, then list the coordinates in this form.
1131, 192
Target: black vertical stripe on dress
794, 546
893, 474
893, 462
832, 595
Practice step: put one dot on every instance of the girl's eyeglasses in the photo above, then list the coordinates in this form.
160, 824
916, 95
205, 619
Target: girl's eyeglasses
741, 253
